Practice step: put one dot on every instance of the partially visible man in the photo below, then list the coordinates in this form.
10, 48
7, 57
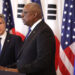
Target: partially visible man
37, 55
9, 45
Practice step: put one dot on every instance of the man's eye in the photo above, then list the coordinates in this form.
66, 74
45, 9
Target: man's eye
1, 23
25, 12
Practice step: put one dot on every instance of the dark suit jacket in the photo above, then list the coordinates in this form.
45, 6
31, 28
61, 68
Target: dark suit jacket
38, 52
10, 49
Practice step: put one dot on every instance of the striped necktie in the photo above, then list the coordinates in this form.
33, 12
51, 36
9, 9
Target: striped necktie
0, 46
28, 32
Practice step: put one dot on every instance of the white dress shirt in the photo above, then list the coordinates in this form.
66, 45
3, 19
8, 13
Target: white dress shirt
3, 39
35, 24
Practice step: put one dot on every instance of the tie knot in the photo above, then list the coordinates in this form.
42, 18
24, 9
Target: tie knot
29, 30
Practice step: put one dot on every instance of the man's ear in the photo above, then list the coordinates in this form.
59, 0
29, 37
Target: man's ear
35, 14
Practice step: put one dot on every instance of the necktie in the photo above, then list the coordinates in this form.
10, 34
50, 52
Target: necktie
0, 45
28, 33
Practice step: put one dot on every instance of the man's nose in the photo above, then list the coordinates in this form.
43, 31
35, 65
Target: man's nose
22, 15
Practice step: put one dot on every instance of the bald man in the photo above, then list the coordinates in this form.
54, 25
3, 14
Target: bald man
37, 56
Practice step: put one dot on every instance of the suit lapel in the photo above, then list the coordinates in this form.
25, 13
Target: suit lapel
35, 31
6, 44
26, 43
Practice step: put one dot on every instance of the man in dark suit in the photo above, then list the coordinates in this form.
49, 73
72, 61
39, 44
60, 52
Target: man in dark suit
10, 45
37, 55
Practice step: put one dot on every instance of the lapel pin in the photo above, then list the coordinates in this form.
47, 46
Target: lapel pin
8, 40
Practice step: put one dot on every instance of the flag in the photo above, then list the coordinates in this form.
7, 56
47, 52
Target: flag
7, 11
20, 28
67, 47
74, 66
37, 1
52, 11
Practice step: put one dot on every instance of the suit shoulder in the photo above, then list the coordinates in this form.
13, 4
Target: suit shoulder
14, 36
45, 28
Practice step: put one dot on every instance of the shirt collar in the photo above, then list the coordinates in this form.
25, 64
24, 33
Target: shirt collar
4, 35
35, 24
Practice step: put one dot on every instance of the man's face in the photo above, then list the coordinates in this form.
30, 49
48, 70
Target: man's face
28, 16
2, 26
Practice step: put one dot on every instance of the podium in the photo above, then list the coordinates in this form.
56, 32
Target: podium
10, 73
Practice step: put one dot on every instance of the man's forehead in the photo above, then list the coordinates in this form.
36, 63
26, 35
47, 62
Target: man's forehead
1, 18
27, 7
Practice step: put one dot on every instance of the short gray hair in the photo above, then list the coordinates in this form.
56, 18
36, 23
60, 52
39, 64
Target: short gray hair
35, 7
2, 16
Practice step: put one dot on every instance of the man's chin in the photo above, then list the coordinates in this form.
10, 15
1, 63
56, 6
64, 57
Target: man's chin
25, 24
1, 33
